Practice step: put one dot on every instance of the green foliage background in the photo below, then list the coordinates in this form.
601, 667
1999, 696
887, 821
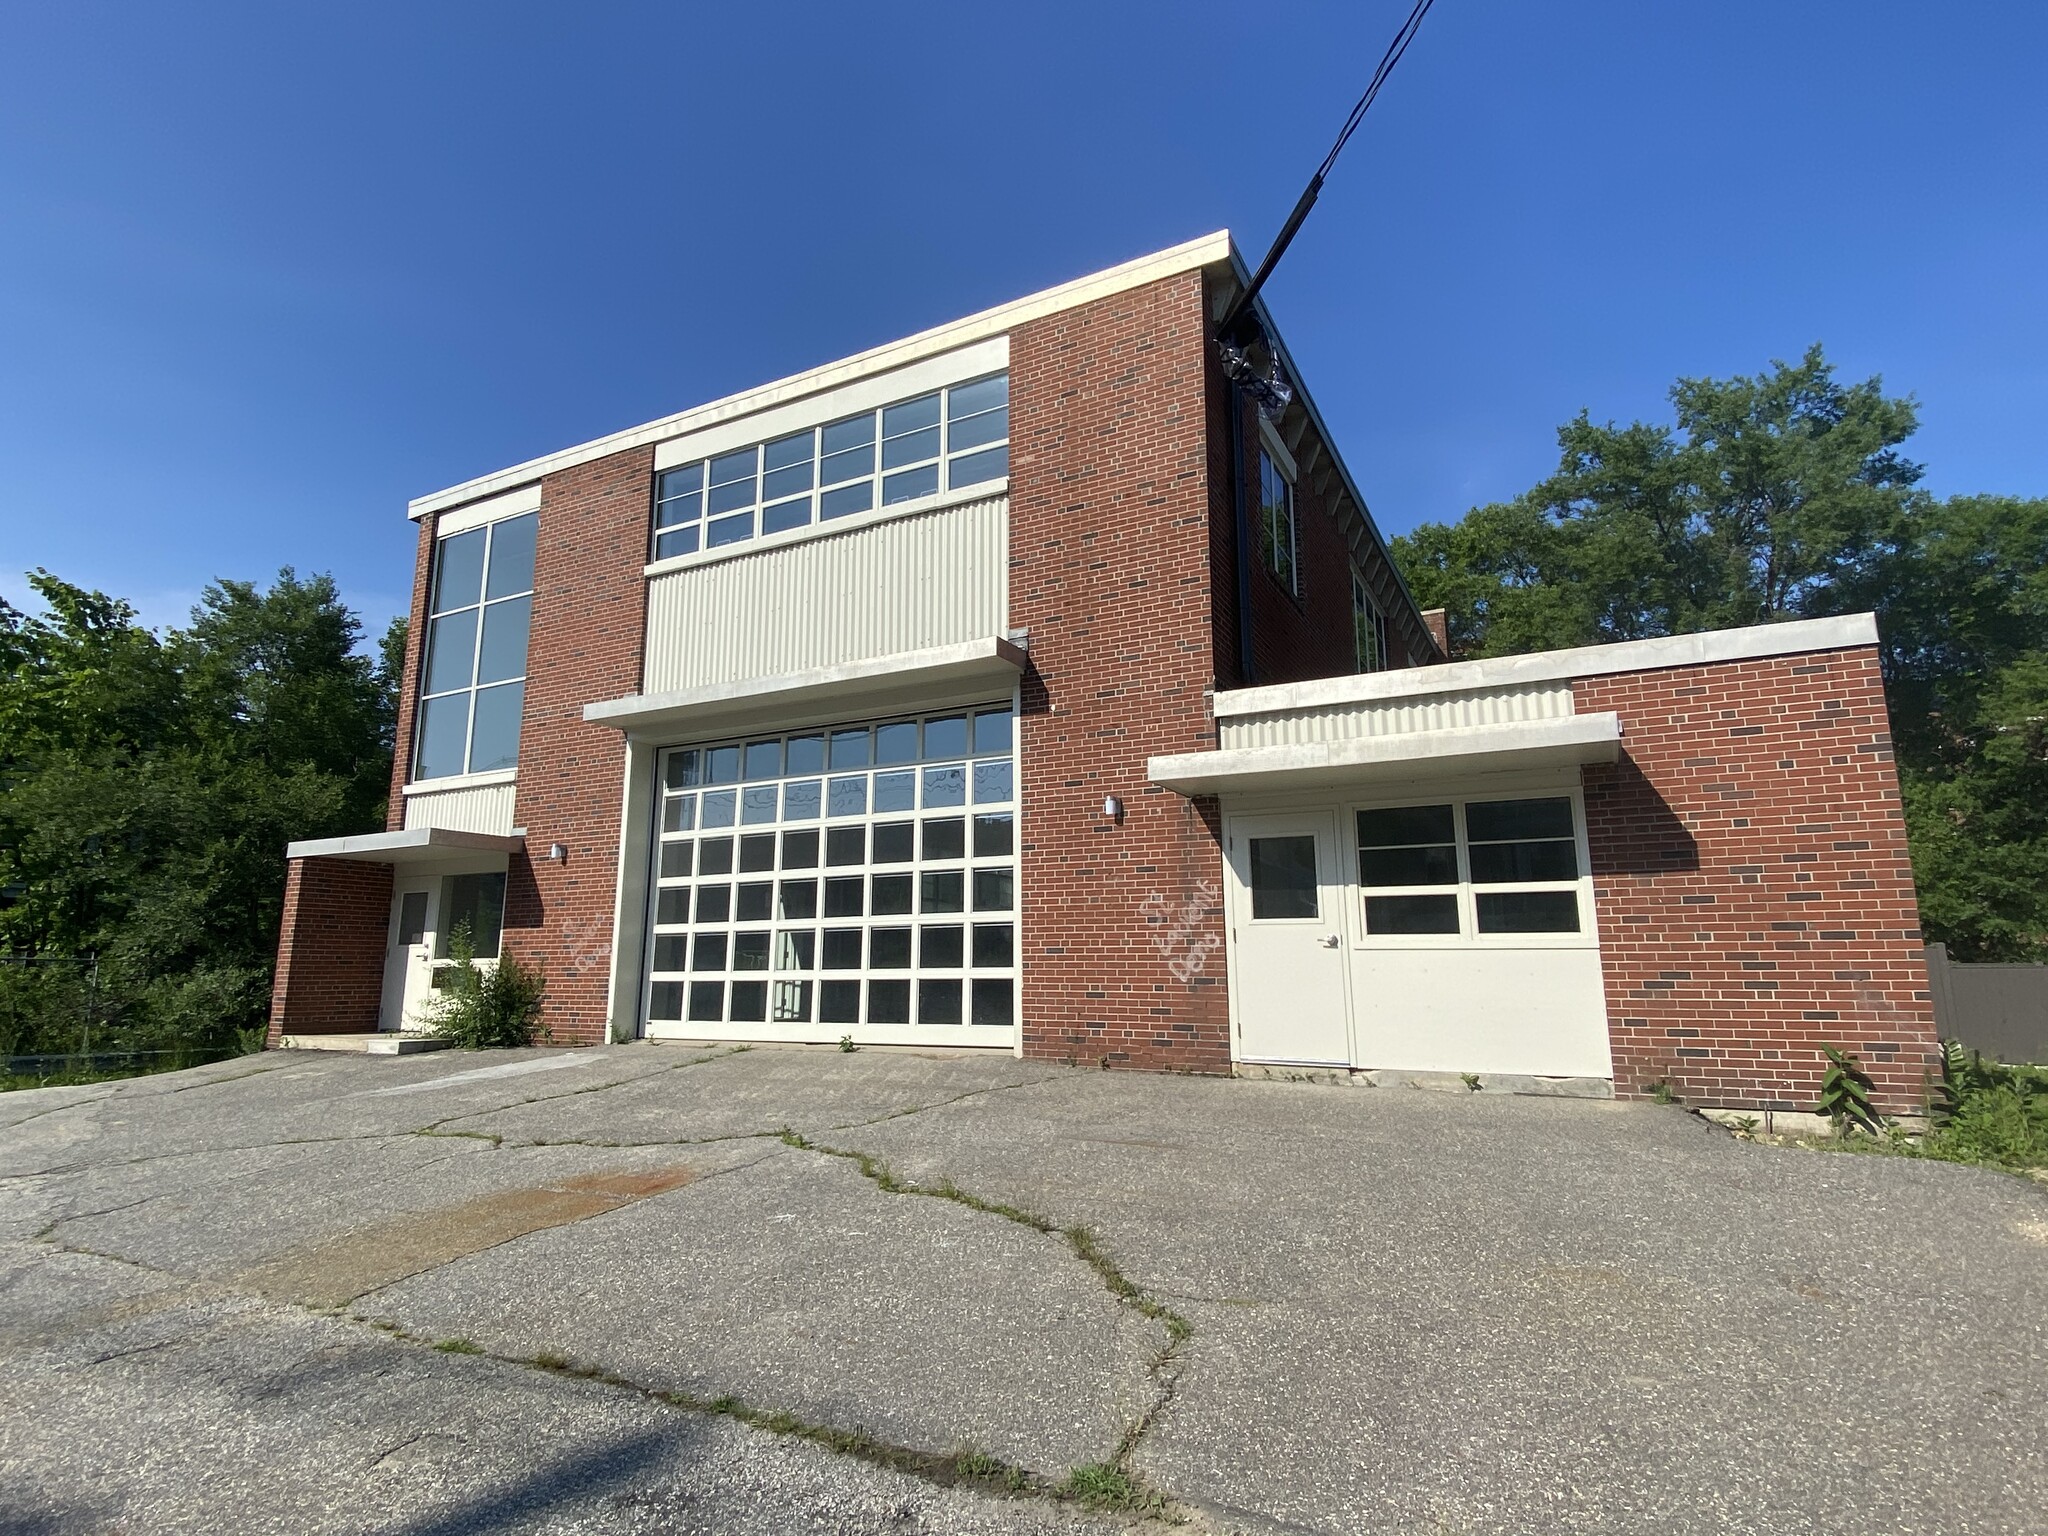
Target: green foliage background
148, 786
1782, 496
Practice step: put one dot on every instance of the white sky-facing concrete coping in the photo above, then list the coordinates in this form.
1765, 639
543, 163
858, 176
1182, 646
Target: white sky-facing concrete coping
1789, 639
407, 847
905, 680
1193, 255
1469, 749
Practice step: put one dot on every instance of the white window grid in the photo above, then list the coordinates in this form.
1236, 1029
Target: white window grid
1368, 625
444, 626
1466, 891
1276, 521
793, 996
947, 439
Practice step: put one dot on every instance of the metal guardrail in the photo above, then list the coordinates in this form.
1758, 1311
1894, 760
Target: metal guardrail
54, 1064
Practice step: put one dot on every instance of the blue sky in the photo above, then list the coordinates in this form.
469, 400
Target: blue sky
268, 271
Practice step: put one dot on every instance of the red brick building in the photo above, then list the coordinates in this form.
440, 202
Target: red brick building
1041, 683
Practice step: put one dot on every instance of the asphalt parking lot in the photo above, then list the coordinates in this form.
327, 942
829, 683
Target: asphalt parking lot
653, 1289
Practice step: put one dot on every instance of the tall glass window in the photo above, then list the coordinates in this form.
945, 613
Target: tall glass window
474, 683
839, 881
949, 440
1276, 522
1368, 627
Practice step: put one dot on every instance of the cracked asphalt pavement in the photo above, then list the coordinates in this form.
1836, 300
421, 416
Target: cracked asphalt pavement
655, 1289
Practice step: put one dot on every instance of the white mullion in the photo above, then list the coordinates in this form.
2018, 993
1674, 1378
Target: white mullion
866, 925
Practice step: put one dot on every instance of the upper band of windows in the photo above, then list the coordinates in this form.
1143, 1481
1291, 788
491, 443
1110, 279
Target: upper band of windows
945, 440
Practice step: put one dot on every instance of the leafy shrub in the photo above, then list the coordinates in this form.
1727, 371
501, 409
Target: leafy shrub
481, 1010
1845, 1094
1983, 1112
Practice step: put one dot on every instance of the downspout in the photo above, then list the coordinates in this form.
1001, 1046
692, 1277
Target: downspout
1247, 668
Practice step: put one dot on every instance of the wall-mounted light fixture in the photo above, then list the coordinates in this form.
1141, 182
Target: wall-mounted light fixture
558, 853
1112, 809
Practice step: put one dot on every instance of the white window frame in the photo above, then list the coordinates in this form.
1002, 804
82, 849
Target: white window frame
1468, 935
946, 464
1368, 627
1280, 466
467, 775
965, 1033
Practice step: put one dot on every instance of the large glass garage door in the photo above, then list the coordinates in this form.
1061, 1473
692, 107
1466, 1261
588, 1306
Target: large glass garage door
854, 881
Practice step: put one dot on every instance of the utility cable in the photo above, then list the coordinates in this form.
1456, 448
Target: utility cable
1388, 60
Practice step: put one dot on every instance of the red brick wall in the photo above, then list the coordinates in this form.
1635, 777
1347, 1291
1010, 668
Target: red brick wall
335, 984
589, 624
1295, 636
1307, 633
408, 688
1754, 892
1110, 570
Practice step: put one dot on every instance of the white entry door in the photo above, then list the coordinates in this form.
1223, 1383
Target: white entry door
409, 952
1288, 956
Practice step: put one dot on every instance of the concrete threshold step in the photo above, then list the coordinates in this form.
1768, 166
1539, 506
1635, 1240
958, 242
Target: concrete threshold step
1441, 1082
383, 1043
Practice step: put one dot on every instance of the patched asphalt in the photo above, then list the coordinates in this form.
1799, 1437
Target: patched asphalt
221, 1293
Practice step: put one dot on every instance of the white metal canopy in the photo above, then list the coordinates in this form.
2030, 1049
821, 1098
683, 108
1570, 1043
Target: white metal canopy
415, 845
1592, 738
929, 678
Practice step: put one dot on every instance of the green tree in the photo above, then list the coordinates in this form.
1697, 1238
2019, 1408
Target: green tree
148, 786
1781, 496
1746, 509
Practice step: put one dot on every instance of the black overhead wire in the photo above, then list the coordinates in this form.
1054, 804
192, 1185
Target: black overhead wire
1388, 60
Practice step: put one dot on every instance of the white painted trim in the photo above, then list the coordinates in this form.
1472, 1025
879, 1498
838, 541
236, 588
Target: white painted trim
632, 901
1468, 749
853, 522
1269, 438
910, 674
477, 513
453, 781
988, 356
1193, 255
1720, 645
406, 847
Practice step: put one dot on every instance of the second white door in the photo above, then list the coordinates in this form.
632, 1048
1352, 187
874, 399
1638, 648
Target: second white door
1288, 960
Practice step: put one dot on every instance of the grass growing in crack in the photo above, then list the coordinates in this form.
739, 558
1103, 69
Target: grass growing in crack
1104, 1485
1086, 1248
984, 1471
987, 1471
459, 1347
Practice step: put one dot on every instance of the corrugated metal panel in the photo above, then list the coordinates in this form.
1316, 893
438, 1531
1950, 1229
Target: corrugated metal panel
479, 808
1394, 717
905, 584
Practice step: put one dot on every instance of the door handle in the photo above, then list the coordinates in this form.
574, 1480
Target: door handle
1332, 941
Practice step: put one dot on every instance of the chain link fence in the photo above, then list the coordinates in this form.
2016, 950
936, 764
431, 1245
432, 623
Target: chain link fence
62, 1021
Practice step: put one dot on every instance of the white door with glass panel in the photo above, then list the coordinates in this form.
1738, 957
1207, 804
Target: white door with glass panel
409, 952
1288, 955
